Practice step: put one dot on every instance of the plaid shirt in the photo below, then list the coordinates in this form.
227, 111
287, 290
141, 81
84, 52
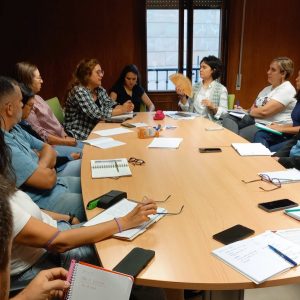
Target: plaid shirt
82, 113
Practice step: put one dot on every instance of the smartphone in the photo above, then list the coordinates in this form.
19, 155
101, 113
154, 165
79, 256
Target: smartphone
233, 234
135, 261
277, 205
209, 150
128, 125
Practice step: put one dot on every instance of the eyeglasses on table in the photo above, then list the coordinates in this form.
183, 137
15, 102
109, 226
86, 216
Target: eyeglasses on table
145, 198
266, 178
136, 161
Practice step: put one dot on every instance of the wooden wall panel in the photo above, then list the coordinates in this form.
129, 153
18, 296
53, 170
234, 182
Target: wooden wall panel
271, 30
55, 35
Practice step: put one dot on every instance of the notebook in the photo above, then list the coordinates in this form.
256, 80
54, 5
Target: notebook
106, 168
121, 209
93, 283
293, 212
285, 176
248, 149
255, 259
265, 128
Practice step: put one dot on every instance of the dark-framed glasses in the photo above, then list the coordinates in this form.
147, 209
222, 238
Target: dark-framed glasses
266, 178
136, 161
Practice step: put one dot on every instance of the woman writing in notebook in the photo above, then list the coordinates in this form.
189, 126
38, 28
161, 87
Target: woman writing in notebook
128, 87
209, 96
87, 101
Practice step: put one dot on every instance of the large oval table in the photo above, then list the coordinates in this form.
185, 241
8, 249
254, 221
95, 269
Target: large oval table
214, 198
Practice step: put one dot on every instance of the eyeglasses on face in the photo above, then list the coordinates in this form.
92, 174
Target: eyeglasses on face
100, 72
266, 178
136, 161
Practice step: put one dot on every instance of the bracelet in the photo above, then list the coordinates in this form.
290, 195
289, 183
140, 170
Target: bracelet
49, 242
118, 223
72, 216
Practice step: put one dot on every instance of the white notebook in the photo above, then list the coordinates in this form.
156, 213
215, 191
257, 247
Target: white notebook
285, 176
121, 209
106, 168
247, 149
93, 283
256, 260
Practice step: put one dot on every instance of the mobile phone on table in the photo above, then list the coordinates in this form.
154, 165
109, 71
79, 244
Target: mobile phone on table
128, 125
233, 234
277, 205
135, 261
210, 150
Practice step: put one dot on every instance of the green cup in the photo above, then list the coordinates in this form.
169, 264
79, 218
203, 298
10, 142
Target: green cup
230, 100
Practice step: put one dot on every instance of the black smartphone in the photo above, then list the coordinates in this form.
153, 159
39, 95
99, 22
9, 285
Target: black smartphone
128, 125
209, 150
277, 205
135, 261
233, 234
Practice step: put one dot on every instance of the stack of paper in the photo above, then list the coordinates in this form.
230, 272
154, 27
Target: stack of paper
245, 149
285, 176
239, 113
121, 209
260, 257
181, 115
103, 143
112, 131
126, 116
165, 143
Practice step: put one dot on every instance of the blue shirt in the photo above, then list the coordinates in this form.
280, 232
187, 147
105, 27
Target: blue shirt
25, 161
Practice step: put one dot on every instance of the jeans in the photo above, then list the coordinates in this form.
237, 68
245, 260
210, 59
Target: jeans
71, 168
272, 141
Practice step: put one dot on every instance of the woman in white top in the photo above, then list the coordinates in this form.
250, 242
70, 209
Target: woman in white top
274, 104
209, 96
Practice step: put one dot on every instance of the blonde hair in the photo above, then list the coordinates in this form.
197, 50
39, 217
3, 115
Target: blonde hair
286, 65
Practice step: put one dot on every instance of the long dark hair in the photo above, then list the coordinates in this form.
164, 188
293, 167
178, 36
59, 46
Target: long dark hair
129, 68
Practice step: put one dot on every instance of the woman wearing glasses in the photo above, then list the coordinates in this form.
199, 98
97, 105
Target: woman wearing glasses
128, 87
273, 104
87, 101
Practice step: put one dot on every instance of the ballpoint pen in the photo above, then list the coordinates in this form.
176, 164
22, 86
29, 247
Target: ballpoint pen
116, 165
283, 255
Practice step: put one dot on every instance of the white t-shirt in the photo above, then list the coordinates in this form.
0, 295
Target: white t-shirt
23, 257
284, 94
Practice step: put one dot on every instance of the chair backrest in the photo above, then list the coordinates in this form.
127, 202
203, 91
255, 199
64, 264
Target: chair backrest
230, 102
55, 106
143, 107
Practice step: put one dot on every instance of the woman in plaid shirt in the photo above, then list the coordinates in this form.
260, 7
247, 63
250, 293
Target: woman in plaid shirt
87, 101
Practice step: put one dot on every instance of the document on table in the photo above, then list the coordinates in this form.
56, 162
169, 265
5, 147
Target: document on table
245, 149
121, 209
239, 113
139, 124
104, 142
112, 131
126, 116
165, 143
181, 115
255, 259
285, 176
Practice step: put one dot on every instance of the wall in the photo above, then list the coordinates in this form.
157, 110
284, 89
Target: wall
55, 35
271, 30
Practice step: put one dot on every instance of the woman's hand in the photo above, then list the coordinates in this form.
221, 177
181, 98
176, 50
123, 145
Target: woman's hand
127, 106
70, 141
139, 214
47, 284
275, 126
207, 103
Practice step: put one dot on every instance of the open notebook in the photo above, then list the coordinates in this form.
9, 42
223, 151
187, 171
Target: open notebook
249, 149
255, 259
120, 209
93, 283
110, 168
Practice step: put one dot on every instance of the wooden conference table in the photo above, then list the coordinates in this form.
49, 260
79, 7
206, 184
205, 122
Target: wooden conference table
214, 198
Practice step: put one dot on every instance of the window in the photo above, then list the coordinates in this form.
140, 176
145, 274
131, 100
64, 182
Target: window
169, 46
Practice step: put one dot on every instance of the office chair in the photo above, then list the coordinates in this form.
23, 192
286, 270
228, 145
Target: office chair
56, 108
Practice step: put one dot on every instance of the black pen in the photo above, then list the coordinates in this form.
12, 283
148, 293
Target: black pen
116, 165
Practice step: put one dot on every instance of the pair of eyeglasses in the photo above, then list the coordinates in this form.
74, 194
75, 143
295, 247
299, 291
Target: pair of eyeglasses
100, 72
166, 213
136, 161
266, 178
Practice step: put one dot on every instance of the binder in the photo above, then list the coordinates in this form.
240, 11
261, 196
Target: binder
110, 168
93, 283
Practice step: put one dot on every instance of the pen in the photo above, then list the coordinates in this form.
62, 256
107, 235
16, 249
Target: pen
116, 165
283, 256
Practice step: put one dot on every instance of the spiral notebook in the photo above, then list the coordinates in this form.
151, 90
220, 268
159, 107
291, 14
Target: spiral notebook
110, 168
93, 283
